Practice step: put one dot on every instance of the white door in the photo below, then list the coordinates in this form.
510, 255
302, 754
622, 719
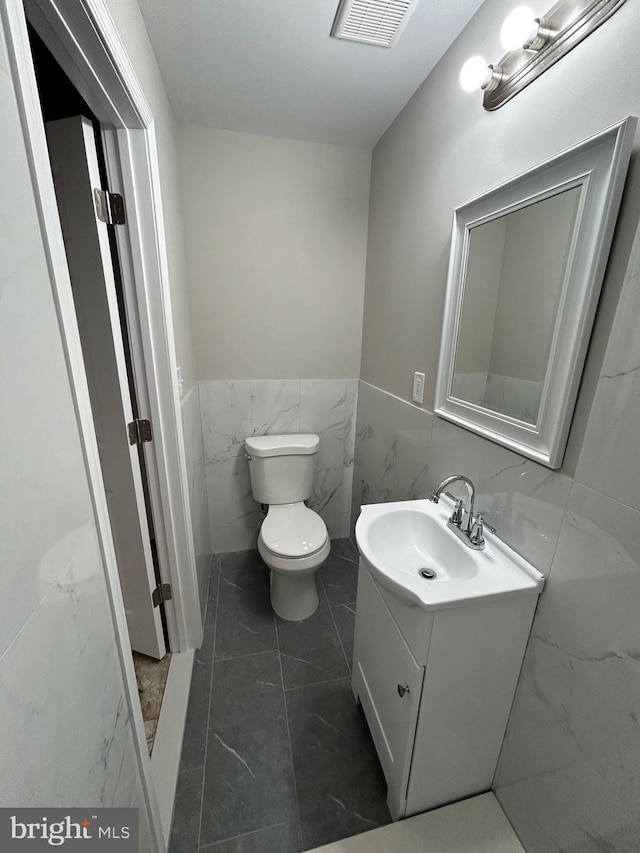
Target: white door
74, 162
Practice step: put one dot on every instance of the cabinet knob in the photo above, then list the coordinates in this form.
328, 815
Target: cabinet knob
402, 690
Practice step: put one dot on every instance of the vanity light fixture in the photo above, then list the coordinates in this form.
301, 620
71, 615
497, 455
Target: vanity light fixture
533, 44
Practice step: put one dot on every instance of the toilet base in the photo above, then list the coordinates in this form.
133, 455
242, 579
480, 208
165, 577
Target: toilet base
294, 597
294, 594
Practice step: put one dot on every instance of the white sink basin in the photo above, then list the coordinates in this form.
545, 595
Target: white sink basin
399, 540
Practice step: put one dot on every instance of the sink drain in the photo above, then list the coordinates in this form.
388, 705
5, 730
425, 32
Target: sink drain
428, 574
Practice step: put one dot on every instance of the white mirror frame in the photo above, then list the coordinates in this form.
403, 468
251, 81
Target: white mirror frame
598, 166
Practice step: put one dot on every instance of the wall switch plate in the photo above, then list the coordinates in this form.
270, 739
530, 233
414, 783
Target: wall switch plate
418, 387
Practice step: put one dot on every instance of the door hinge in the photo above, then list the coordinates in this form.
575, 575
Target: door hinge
139, 431
109, 207
161, 594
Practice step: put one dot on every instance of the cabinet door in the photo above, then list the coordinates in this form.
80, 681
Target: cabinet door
388, 682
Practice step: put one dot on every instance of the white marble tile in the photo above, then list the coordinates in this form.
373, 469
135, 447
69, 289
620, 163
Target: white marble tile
351, 408
232, 410
322, 411
198, 501
44, 495
524, 501
275, 407
226, 418
392, 449
61, 701
327, 498
569, 773
235, 516
609, 460
322, 405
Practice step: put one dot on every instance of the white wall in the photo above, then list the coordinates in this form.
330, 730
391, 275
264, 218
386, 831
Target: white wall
66, 737
275, 235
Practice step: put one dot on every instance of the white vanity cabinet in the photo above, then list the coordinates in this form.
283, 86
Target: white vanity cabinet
436, 688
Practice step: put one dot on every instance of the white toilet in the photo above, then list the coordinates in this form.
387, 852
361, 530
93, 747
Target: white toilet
293, 539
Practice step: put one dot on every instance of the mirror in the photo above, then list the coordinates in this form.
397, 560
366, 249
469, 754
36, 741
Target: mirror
525, 272
512, 290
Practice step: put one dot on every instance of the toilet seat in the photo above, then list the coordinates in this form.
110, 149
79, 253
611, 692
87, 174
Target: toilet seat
293, 531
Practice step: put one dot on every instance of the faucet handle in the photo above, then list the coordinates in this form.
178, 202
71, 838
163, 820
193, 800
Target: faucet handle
456, 515
476, 537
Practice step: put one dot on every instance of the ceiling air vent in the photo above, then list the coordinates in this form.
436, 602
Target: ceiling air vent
372, 21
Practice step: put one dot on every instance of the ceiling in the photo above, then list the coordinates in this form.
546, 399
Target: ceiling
270, 67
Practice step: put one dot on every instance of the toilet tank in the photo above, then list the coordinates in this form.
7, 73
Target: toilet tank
282, 467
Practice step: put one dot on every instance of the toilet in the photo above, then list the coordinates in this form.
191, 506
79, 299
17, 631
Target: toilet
293, 539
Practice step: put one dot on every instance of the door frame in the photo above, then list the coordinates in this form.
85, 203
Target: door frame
83, 39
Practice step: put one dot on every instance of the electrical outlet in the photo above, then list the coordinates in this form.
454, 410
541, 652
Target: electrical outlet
418, 387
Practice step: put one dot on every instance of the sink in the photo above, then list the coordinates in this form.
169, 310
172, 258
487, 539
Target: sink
408, 540
411, 552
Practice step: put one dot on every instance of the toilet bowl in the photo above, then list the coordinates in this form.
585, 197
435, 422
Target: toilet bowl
293, 539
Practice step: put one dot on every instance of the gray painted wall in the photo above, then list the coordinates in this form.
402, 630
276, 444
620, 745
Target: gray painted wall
569, 775
443, 150
276, 233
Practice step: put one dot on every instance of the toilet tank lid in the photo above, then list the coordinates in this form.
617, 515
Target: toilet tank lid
281, 445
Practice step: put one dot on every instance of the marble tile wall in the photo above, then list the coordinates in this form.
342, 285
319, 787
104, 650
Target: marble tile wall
569, 773
403, 452
66, 737
234, 409
198, 501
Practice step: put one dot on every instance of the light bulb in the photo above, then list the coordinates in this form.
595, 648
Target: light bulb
518, 26
474, 73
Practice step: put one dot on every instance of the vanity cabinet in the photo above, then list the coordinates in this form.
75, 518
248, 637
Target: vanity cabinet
436, 688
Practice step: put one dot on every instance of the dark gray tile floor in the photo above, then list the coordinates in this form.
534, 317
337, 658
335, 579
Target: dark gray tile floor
277, 757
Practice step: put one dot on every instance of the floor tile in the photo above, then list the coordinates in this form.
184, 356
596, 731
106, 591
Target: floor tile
345, 619
245, 622
340, 572
340, 787
285, 838
248, 775
310, 650
238, 561
195, 730
186, 815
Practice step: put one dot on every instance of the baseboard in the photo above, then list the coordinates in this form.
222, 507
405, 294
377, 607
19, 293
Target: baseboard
165, 758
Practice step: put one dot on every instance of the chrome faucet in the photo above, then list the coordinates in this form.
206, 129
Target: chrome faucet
462, 521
